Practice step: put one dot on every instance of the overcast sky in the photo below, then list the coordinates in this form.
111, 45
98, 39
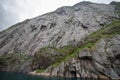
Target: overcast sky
13, 11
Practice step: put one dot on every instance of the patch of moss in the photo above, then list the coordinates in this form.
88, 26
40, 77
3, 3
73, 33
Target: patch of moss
56, 64
40, 70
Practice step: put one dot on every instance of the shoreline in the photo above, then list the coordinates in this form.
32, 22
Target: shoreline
39, 74
101, 77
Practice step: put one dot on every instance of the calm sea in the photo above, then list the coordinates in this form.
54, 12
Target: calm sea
21, 76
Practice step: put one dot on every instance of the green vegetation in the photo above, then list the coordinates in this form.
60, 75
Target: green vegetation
13, 59
52, 56
40, 70
45, 56
89, 42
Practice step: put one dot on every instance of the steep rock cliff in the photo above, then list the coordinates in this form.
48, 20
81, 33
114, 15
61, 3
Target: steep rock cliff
80, 40
64, 26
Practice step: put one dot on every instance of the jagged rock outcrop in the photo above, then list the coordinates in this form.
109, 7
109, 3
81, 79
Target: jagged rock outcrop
74, 41
102, 62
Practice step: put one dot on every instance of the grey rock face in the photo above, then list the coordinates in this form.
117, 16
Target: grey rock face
59, 28
39, 42
100, 63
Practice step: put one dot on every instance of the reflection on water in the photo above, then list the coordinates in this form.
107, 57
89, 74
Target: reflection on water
21, 76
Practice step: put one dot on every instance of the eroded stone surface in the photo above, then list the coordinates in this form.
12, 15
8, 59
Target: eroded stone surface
101, 62
66, 25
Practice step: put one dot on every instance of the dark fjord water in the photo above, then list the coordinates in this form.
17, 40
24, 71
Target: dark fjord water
21, 76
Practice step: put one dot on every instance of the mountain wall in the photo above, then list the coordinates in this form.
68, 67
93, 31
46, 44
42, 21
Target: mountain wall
82, 40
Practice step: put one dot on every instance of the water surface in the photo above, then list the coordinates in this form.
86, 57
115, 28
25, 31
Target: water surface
22, 76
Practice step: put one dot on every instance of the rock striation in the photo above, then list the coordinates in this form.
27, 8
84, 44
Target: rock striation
102, 62
82, 40
64, 26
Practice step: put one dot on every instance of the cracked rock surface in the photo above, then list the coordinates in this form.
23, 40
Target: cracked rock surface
66, 25
46, 43
101, 62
